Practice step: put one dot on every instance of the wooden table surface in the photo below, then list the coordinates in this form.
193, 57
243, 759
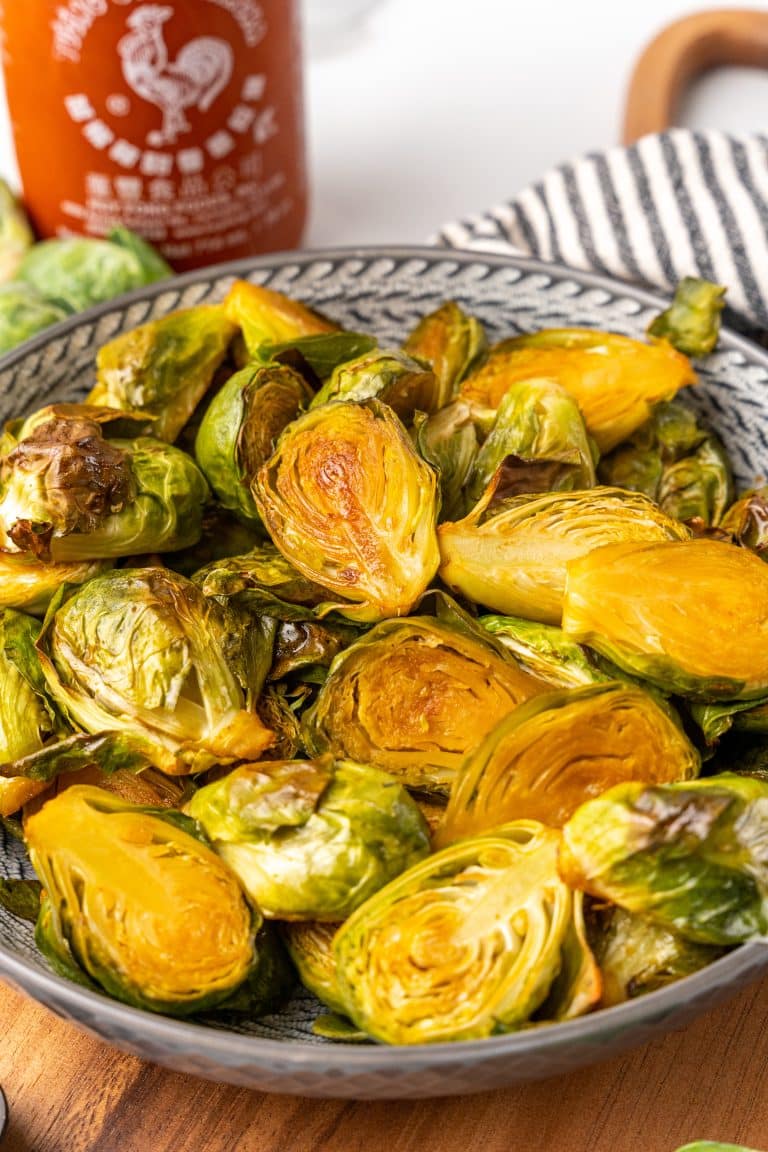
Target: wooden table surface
70, 1093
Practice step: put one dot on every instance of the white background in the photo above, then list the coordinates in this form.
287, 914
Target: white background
431, 109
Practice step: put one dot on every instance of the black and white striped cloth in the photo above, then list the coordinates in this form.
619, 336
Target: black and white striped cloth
676, 204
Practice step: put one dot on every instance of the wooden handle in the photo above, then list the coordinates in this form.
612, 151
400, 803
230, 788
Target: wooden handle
680, 53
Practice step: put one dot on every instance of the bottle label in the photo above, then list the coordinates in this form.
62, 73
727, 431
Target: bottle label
180, 120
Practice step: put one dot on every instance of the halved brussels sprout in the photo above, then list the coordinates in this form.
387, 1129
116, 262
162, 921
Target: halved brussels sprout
690, 856
514, 560
265, 316
536, 421
310, 946
466, 944
311, 840
614, 380
747, 521
448, 441
349, 503
138, 903
164, 367
142, 651
262, 581
554, 752
391, 377
69, 495
413, 697
690, 617
692, 322
451, 342
546, 652
637, 956
239, 431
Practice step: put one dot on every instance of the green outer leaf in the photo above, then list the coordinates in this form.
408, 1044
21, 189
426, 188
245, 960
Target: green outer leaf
324, 351
545, 651
692, 322
152, 264
451, 342
310, 947
263, 582
333, 1026
109, 751
448, 441
388, 376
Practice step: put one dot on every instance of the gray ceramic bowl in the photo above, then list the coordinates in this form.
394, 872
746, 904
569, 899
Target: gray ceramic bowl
385, 291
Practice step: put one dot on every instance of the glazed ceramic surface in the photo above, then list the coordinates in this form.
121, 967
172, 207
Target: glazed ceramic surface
384, 291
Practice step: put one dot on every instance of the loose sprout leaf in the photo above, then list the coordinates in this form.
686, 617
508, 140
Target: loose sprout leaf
21, 898
692, 322
323, 352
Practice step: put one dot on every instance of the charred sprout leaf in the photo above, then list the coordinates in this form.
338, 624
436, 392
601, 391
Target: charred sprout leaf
263, 582
637, 956
241, 427
142, 906
690, 856
614, 380
464, 945
690, 617
146, 786
303, 644
265, 316
391, 377
16, 234
413, 697
24, 312
514, 560
141, 651
349, 503
323, 352
747, 521
448, 441
311, 840
538, 421
451, 342
21, 898
81, 271
109, 752
332, 1026
692, 322
546, 652
310, 945
554, 752
164, 367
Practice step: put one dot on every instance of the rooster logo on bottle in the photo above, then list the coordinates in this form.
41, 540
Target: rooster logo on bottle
200, 72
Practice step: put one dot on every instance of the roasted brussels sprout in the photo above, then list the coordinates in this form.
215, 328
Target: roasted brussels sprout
30, 585
240, 429
692, 322
16, 234
614, 380
308, 645
466, 944
413, 697
317, 356
545, 651
310, 946
448, 441
264, 582
637, 956
142, 651
349, 503
164, 367
451, 342
514, 560
690, 617
676, 462
537, 422
690, 856
551, 754
311, 840
391, 377
24, 312
69, 495
265, 316
747, 521
138, 903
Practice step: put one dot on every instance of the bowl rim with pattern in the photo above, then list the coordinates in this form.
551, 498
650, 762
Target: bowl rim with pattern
375, 1071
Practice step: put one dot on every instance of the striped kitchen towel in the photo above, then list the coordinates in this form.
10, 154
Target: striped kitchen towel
676, 204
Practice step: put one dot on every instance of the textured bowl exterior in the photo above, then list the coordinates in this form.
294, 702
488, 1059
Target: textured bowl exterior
384, 291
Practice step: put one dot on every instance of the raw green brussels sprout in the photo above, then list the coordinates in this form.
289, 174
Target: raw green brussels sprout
30, 585
265, 316
554, 752
747, 521
81, 271
614, 380
690, 617
311, 840
164, 367
545, 651
413, 697
24, 313
692, 322
514, 560
690, 856
141, 651
466, 944
537, 423
138, 903
263, 582
448, 441
241, 427
451, 342
310, 946
677, 463
69, 495
15, 233
391, 377
637, 956
349, 503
